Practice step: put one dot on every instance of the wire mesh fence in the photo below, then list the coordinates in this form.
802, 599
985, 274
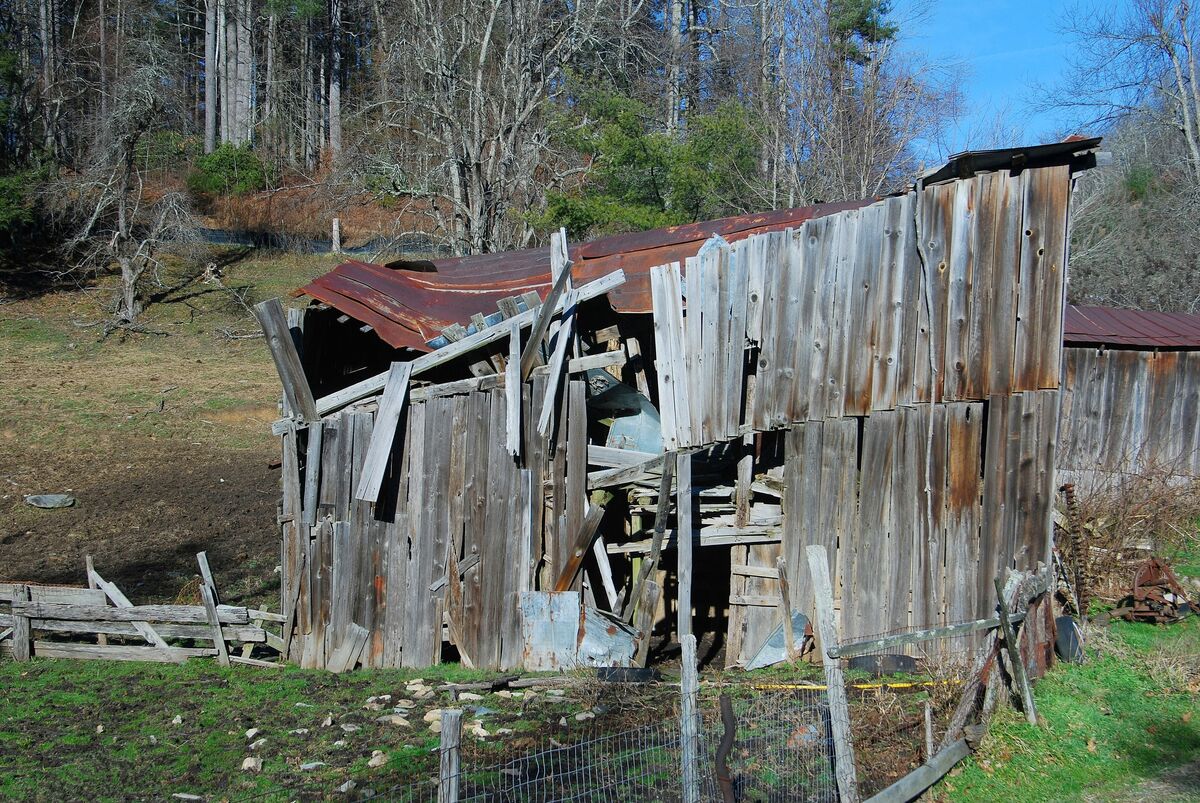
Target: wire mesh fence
778, 750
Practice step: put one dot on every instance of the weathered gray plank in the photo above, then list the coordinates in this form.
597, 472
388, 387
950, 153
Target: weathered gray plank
383, 434
287, 361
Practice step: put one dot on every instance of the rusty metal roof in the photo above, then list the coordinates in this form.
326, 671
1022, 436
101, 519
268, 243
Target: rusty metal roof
409, 302
1108, 326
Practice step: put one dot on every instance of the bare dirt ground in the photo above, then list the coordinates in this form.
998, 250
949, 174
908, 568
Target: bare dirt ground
163, 438
143, 513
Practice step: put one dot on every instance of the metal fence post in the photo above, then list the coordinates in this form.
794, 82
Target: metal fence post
689, 736
451, 739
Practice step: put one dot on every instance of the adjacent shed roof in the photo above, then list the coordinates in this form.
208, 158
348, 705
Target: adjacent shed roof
1108, 326
409, 302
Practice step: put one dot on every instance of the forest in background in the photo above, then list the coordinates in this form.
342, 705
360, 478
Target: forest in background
483, 124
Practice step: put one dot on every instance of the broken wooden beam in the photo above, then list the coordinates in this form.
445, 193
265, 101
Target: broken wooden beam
373, 385
287, 360
384, 432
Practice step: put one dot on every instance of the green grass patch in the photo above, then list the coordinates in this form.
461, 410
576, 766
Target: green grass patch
96, 730
1127, 714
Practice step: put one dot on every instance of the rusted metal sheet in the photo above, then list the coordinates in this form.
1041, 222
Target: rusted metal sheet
408, 302
1108, 326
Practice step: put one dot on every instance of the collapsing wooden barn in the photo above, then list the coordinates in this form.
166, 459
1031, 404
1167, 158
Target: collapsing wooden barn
1131, 396
661, 422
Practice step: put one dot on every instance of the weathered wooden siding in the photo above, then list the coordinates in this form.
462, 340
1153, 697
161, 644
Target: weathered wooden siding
1126, 411
887, 341
882, 381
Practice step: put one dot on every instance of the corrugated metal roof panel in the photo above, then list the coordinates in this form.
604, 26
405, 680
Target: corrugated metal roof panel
1109, 326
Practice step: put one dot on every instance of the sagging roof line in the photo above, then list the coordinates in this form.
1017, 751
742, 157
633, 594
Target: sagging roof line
409, 302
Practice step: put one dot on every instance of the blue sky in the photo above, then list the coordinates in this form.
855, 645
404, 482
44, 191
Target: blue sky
1004, 48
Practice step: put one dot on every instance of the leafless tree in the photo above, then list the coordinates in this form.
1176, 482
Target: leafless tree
117, 222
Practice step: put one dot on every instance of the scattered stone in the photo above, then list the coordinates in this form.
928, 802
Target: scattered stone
298, 731
304, 705
250, 734
178, 720
503, 732
476, 729
468, 695
405, 703
435, 727
257, 744
325, 723
99, 729
312, 765
563, 722
346, 788
153, 739
584, 715
348, 727
393, 719
372, 705
339, 744
186, 796
252, 764
503, 693
385, 698
433, 715
378, 759
50, 501
424, 694
555, 692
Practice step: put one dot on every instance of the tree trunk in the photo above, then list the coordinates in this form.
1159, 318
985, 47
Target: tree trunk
244, 73
335, 80
674, 63
46, 37
103, 63
210, 75
271, 127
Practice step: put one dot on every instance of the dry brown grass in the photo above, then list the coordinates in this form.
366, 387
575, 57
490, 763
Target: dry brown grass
1104, 531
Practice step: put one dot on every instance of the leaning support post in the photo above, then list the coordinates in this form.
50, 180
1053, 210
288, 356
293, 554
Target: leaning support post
689, 736
1014, 656
785, 608
839, 709
683, 543
451, 739
287, 360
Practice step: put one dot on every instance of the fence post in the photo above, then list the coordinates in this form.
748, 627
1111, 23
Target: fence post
20, 635
839, 709
336, 238
689, 736
1013, 646
451, 739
